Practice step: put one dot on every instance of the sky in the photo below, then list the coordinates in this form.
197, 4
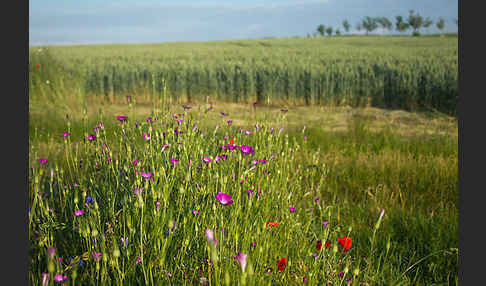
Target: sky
72, 22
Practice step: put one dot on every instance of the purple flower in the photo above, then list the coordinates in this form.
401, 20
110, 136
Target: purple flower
248, 132
97, 256
137, 191
284, 110
341, 274
304, 280
206, 159
316, 199
241, 259
255, 103
65, 134
325, 223
149, 119
217, 158
45, 279
51, 252
138, 260
174, 161
269, 270
59, 278
210, 237
146, 175
250, 191
89, 200
121, 118
78, 212
224, 114
195, 213
43, 160
91, 137
186, 107
147, 137
101, 125
124, 241
382, 212
245, 149
135, 162
292, 209
229, 122
157, 204
348, 280
224, 199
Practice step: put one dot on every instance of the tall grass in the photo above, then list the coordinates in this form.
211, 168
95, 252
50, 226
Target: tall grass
390, 72
354, 174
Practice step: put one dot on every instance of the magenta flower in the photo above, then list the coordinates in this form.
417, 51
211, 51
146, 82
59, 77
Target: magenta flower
101, 125
341, 274
149, 119
292, 209
43, 160
224, 114
253, 244
121, 118
229, 122
97, 256
135, 162
65, 134
224, 199
210, 237
325, 223
382, 212
138, 260
137, 191
245, 149
248, 132
157, 204
250, 191
124, 241
147, 137
206, 159
255, 103
51, 252
284, 110
195, 213
316, 199
91, 137
146, 175
78, 212
174, 161
165, 146
241, 259
59, 278
45, 279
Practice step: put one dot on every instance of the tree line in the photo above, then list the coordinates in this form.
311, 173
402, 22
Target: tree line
414, 21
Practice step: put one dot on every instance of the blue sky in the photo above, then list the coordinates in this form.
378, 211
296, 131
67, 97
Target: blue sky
53, 22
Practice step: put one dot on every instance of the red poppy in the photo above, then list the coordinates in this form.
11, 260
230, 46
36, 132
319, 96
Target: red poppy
319, 245
37, 66
282, 263
269, 223
327, 245
346, 242
231, 141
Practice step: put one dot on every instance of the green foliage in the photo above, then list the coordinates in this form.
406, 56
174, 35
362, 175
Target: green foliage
390, 72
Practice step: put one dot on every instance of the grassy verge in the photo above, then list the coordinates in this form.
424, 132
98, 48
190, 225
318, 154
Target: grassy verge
355, 161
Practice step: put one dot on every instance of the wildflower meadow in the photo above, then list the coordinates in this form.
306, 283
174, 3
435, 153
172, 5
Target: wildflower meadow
145, 192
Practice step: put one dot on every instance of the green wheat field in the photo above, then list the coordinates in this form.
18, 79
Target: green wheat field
299, 161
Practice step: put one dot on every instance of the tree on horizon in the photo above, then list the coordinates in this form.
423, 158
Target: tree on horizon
321, 29
346, 25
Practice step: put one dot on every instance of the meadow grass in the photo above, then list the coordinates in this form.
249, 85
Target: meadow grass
337, 165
